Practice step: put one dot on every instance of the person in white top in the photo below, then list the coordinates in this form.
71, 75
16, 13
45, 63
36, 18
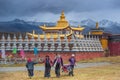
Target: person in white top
3, 55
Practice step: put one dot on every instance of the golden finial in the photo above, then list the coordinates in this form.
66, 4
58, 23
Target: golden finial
33, 32
97, 25
62, 12
62, 17
79, 26
44, 25
62, 21
89, 33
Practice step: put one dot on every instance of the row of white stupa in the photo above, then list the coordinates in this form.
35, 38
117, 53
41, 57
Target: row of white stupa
75, 44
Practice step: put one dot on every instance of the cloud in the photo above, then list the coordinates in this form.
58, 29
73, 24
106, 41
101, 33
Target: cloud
30, 8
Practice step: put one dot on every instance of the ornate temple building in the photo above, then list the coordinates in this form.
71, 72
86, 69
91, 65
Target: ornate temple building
103, 36
61, 38
62, 28
110, 42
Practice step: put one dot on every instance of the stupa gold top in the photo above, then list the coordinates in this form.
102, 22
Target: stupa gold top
62, 28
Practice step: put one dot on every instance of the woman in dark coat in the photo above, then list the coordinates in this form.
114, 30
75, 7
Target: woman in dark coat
58, 62
48, 64
30, 67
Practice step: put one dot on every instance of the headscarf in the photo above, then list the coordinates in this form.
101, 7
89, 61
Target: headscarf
29, 60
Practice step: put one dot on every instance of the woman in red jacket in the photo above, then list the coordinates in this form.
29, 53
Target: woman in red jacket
30, 67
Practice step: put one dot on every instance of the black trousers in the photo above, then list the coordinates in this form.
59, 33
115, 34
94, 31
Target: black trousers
30, 72
71, 71
57, 70
47, 71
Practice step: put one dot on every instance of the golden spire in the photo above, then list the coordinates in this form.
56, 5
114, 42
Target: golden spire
97, 25
79, 26
89, 33
62, 22
44, 25
62, 17
33, 32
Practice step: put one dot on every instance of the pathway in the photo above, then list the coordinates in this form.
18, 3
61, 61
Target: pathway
41, 68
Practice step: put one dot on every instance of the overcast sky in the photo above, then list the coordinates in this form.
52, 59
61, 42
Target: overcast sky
49, 10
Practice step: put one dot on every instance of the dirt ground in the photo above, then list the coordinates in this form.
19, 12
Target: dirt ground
108, 72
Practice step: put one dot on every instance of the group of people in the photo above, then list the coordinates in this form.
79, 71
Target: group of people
57, 63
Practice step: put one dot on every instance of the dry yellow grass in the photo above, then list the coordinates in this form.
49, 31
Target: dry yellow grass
109, 72
115, 59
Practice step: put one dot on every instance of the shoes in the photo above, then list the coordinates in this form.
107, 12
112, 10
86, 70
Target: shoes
47, 77
30, 77
71, 74
57, 76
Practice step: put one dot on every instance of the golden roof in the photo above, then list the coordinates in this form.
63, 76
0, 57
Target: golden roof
49, 35
62, 23
79, 28
53, 28
97, 30
79, 36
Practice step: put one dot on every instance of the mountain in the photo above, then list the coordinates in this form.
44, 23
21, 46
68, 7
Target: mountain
86, 22
22, 26
41, 23
18, 25
107, 25
110, 26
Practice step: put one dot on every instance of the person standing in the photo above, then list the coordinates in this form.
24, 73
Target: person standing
72, 61
14, 51
22, 54
48, 64
3, 55
58, 62
35, 51
30, 67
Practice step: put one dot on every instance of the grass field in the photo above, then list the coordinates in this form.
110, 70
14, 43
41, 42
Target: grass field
108, 72
115, 59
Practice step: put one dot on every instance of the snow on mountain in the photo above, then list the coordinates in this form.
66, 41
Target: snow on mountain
74, 23
107, 23
18, 25
109, 26
87, 22
41, 23
19, 21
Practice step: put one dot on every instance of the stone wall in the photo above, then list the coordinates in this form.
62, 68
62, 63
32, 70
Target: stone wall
65, 55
